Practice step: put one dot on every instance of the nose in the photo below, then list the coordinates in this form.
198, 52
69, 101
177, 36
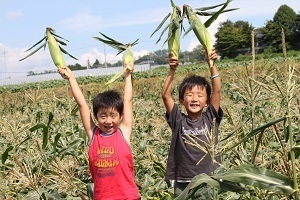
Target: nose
194, 98
108, 120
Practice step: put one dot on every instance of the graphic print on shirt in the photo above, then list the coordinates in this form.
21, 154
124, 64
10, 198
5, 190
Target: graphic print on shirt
202, 131
106, 161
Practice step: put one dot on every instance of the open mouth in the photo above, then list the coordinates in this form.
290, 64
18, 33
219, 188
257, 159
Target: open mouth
193, 105
108, 128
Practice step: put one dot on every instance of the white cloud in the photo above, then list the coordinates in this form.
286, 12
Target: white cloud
83, 21
14, 14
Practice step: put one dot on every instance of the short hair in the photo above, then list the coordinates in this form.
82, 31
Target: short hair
108, 99
190, 82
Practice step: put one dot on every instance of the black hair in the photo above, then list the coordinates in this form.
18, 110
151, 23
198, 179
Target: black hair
108, 99
190, 82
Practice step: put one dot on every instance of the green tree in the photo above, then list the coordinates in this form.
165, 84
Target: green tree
284, 18
295, 41
233, 39
96, 64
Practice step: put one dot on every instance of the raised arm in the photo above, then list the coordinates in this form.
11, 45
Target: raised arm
84, 110
168, 84
126, 125
216, 83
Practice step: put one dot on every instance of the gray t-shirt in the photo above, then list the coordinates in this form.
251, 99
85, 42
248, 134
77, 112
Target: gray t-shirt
185, 160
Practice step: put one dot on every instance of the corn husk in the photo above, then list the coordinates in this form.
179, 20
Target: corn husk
56, 51
174, 30
128, 57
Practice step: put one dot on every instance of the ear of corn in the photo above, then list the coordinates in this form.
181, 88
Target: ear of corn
174, 30
199, 30
127, 58
55, 50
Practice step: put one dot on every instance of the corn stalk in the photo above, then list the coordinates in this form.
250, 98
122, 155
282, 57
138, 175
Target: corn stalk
289, 96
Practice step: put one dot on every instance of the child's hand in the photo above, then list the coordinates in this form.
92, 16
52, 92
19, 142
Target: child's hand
129, 68
173, 62
213, 56
65, 72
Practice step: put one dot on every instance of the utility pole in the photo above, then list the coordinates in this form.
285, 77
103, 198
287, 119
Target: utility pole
105, 64
4, 57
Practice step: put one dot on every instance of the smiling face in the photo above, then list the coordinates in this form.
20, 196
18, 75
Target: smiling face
108, 119
194, 100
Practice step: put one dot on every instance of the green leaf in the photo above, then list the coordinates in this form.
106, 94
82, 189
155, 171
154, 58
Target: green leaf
45, 137
36, 43
258, 130
43, 45
71, 147
296, 149
56, 139
50, 118
36, 127
258, 177
161, 24
216, 15
5, 154
65, 52
74, 110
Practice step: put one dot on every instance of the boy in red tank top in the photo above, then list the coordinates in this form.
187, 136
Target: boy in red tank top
110, 157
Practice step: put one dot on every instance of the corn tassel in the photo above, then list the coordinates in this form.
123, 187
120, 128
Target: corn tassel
127, 58
199, 30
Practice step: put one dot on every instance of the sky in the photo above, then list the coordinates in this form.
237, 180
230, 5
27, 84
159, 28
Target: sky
23, 23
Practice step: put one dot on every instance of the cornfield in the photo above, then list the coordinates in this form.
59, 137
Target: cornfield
44, 149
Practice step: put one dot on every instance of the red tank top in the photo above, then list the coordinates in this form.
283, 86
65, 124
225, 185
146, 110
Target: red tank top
111, 167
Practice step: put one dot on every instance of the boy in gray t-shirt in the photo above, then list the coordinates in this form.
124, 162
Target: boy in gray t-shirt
202, 105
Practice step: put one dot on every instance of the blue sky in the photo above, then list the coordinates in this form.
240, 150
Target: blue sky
23, 23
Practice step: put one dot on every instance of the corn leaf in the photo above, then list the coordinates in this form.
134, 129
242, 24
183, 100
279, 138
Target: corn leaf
65, 52
258, 130
115, 77
72, 147
45, 38
43, 45
216, 15
200, 13
258, 177
5, 154
296, 149
56, 139
201, 179
209, 7
161, 24
36, 44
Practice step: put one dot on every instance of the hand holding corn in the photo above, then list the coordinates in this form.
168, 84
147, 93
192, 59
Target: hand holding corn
65, 72
128, 68
211, 58
173, 62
